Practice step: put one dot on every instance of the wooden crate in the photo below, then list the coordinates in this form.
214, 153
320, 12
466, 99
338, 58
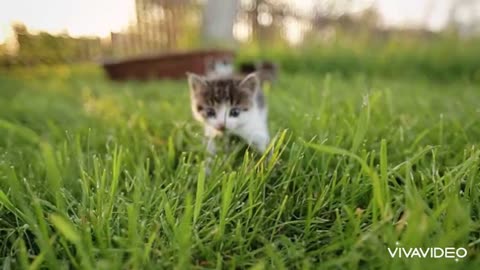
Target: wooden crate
170, 66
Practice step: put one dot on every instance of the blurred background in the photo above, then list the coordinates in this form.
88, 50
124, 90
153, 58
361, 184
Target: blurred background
432, 38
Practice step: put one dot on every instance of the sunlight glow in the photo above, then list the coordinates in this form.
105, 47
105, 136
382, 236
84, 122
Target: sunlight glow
77, 18
100, 17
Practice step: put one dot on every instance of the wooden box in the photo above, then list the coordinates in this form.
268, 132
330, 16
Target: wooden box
171, 65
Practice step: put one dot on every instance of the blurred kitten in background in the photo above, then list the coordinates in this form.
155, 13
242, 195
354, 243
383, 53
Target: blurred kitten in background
267, 71
219, 67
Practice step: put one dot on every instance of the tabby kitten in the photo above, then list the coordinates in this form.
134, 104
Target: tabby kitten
267, 71
231, 106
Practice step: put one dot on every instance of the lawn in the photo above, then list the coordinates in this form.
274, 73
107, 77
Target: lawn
102, 175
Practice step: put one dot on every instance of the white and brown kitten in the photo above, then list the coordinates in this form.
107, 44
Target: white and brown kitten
231, 106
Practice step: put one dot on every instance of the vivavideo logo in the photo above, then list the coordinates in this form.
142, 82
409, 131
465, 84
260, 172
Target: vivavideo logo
430, 252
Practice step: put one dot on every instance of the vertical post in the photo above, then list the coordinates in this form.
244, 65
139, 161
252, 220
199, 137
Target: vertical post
218, 20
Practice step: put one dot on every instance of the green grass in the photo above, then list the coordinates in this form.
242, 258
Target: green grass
103, 175
444, 58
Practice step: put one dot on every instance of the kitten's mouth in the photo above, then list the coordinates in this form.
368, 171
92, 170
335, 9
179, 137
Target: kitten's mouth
221, 129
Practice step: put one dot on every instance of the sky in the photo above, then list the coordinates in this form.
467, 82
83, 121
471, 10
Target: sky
99, 17
415, 12
77, 17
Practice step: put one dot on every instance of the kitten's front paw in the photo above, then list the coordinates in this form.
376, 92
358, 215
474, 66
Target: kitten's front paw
208, 171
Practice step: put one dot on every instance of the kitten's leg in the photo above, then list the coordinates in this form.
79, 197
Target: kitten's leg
230, 145
211, 148
270, 152
260, 141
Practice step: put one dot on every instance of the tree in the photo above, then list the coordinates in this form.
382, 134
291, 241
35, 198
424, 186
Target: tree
464, 16
218, 20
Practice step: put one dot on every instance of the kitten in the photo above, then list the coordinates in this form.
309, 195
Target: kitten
231, 106
267, 71
219, 67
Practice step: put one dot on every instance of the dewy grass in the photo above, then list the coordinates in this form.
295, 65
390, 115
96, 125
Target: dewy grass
102, 175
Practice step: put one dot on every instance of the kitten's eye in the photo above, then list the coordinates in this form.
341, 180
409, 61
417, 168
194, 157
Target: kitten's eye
234, 112
210, 112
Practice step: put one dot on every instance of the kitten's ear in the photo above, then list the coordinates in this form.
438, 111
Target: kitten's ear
250, 82
195, 82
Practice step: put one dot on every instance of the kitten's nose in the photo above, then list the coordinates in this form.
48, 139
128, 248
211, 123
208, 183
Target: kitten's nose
220, 127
